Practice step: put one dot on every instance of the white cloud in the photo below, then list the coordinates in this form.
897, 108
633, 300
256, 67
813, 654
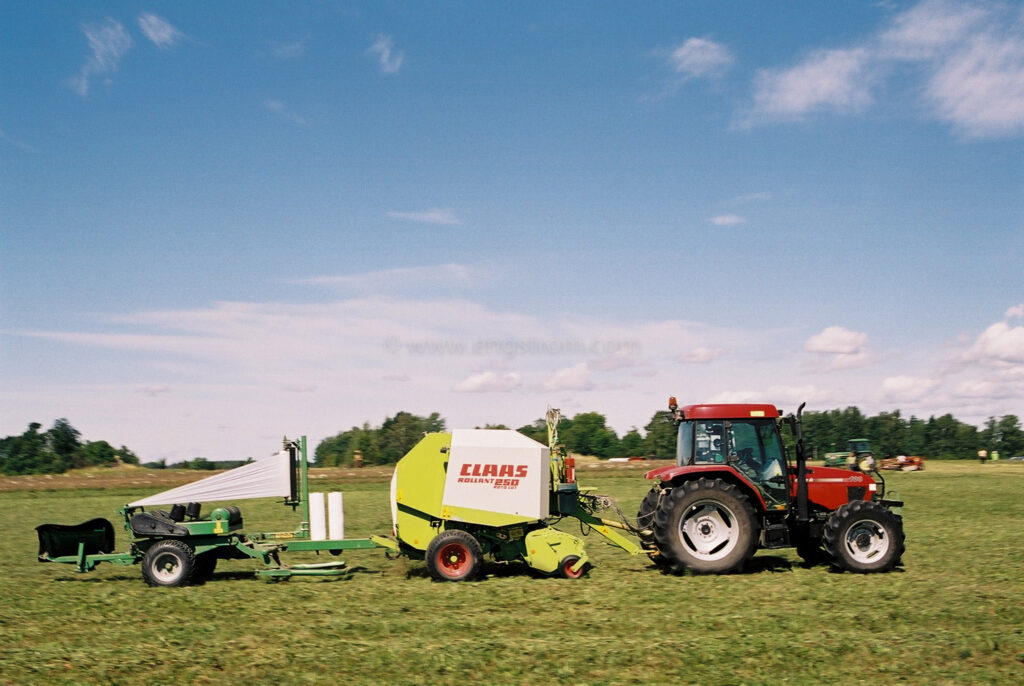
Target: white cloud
700, 58
279, 108
752, 197
727, 220
999, 344
384, 280
701, 355
844, 349
159, 30
15, 142
836, 80
780, 396
970, 56
980, 88
153, 391
1015, 312
574, 378
300, 388
317, 367
288, 50
928, 28
836, 340
906, 388
442, 216
490, 382
383, 49
108, 42
979, 389
622, 358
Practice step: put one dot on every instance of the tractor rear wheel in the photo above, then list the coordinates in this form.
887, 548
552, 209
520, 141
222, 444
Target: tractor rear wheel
168, 563
645, 522
707, 526
864, 536
454, 555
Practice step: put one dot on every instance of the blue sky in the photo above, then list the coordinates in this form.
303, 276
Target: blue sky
220, 225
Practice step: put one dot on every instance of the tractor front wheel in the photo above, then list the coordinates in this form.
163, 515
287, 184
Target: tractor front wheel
454, 555
864, 536
707, 526
169, 563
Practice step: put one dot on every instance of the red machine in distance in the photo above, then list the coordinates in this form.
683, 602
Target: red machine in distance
734, 489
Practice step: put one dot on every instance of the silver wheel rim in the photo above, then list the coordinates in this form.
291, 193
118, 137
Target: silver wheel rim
166, 567
709, 530
866, 541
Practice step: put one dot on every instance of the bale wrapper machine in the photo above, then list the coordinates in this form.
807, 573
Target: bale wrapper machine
181, 546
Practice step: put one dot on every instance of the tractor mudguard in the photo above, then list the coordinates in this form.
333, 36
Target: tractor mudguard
668, 474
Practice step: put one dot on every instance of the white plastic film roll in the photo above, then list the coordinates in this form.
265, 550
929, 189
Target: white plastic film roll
335, 516
317, 517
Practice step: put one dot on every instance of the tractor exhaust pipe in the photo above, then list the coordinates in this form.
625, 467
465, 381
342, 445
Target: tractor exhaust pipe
796, 424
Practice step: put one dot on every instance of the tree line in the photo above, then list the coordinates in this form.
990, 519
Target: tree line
57, 450
937, 438
587, 433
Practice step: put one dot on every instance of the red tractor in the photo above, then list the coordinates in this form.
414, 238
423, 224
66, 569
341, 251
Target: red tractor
734, 490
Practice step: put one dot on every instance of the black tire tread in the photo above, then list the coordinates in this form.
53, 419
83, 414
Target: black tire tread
665, 524
846, 514
188, 561
465, 538
645, 520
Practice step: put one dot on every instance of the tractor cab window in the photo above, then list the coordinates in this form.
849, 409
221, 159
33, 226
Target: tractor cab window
708, 442
684, 445
752, 446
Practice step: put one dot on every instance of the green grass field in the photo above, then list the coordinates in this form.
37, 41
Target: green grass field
954, 614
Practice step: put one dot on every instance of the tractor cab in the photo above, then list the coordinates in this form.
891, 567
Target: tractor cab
751, 444
860, 446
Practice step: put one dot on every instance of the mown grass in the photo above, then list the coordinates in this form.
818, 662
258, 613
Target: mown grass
954, 614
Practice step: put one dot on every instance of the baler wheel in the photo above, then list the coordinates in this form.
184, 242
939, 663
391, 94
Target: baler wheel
565, 568
864, 536
454, 555
169, 563
707, 526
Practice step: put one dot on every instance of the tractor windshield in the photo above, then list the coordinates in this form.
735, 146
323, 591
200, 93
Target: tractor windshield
752, 446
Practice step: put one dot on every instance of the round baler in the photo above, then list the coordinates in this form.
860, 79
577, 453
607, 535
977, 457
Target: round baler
457, 497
